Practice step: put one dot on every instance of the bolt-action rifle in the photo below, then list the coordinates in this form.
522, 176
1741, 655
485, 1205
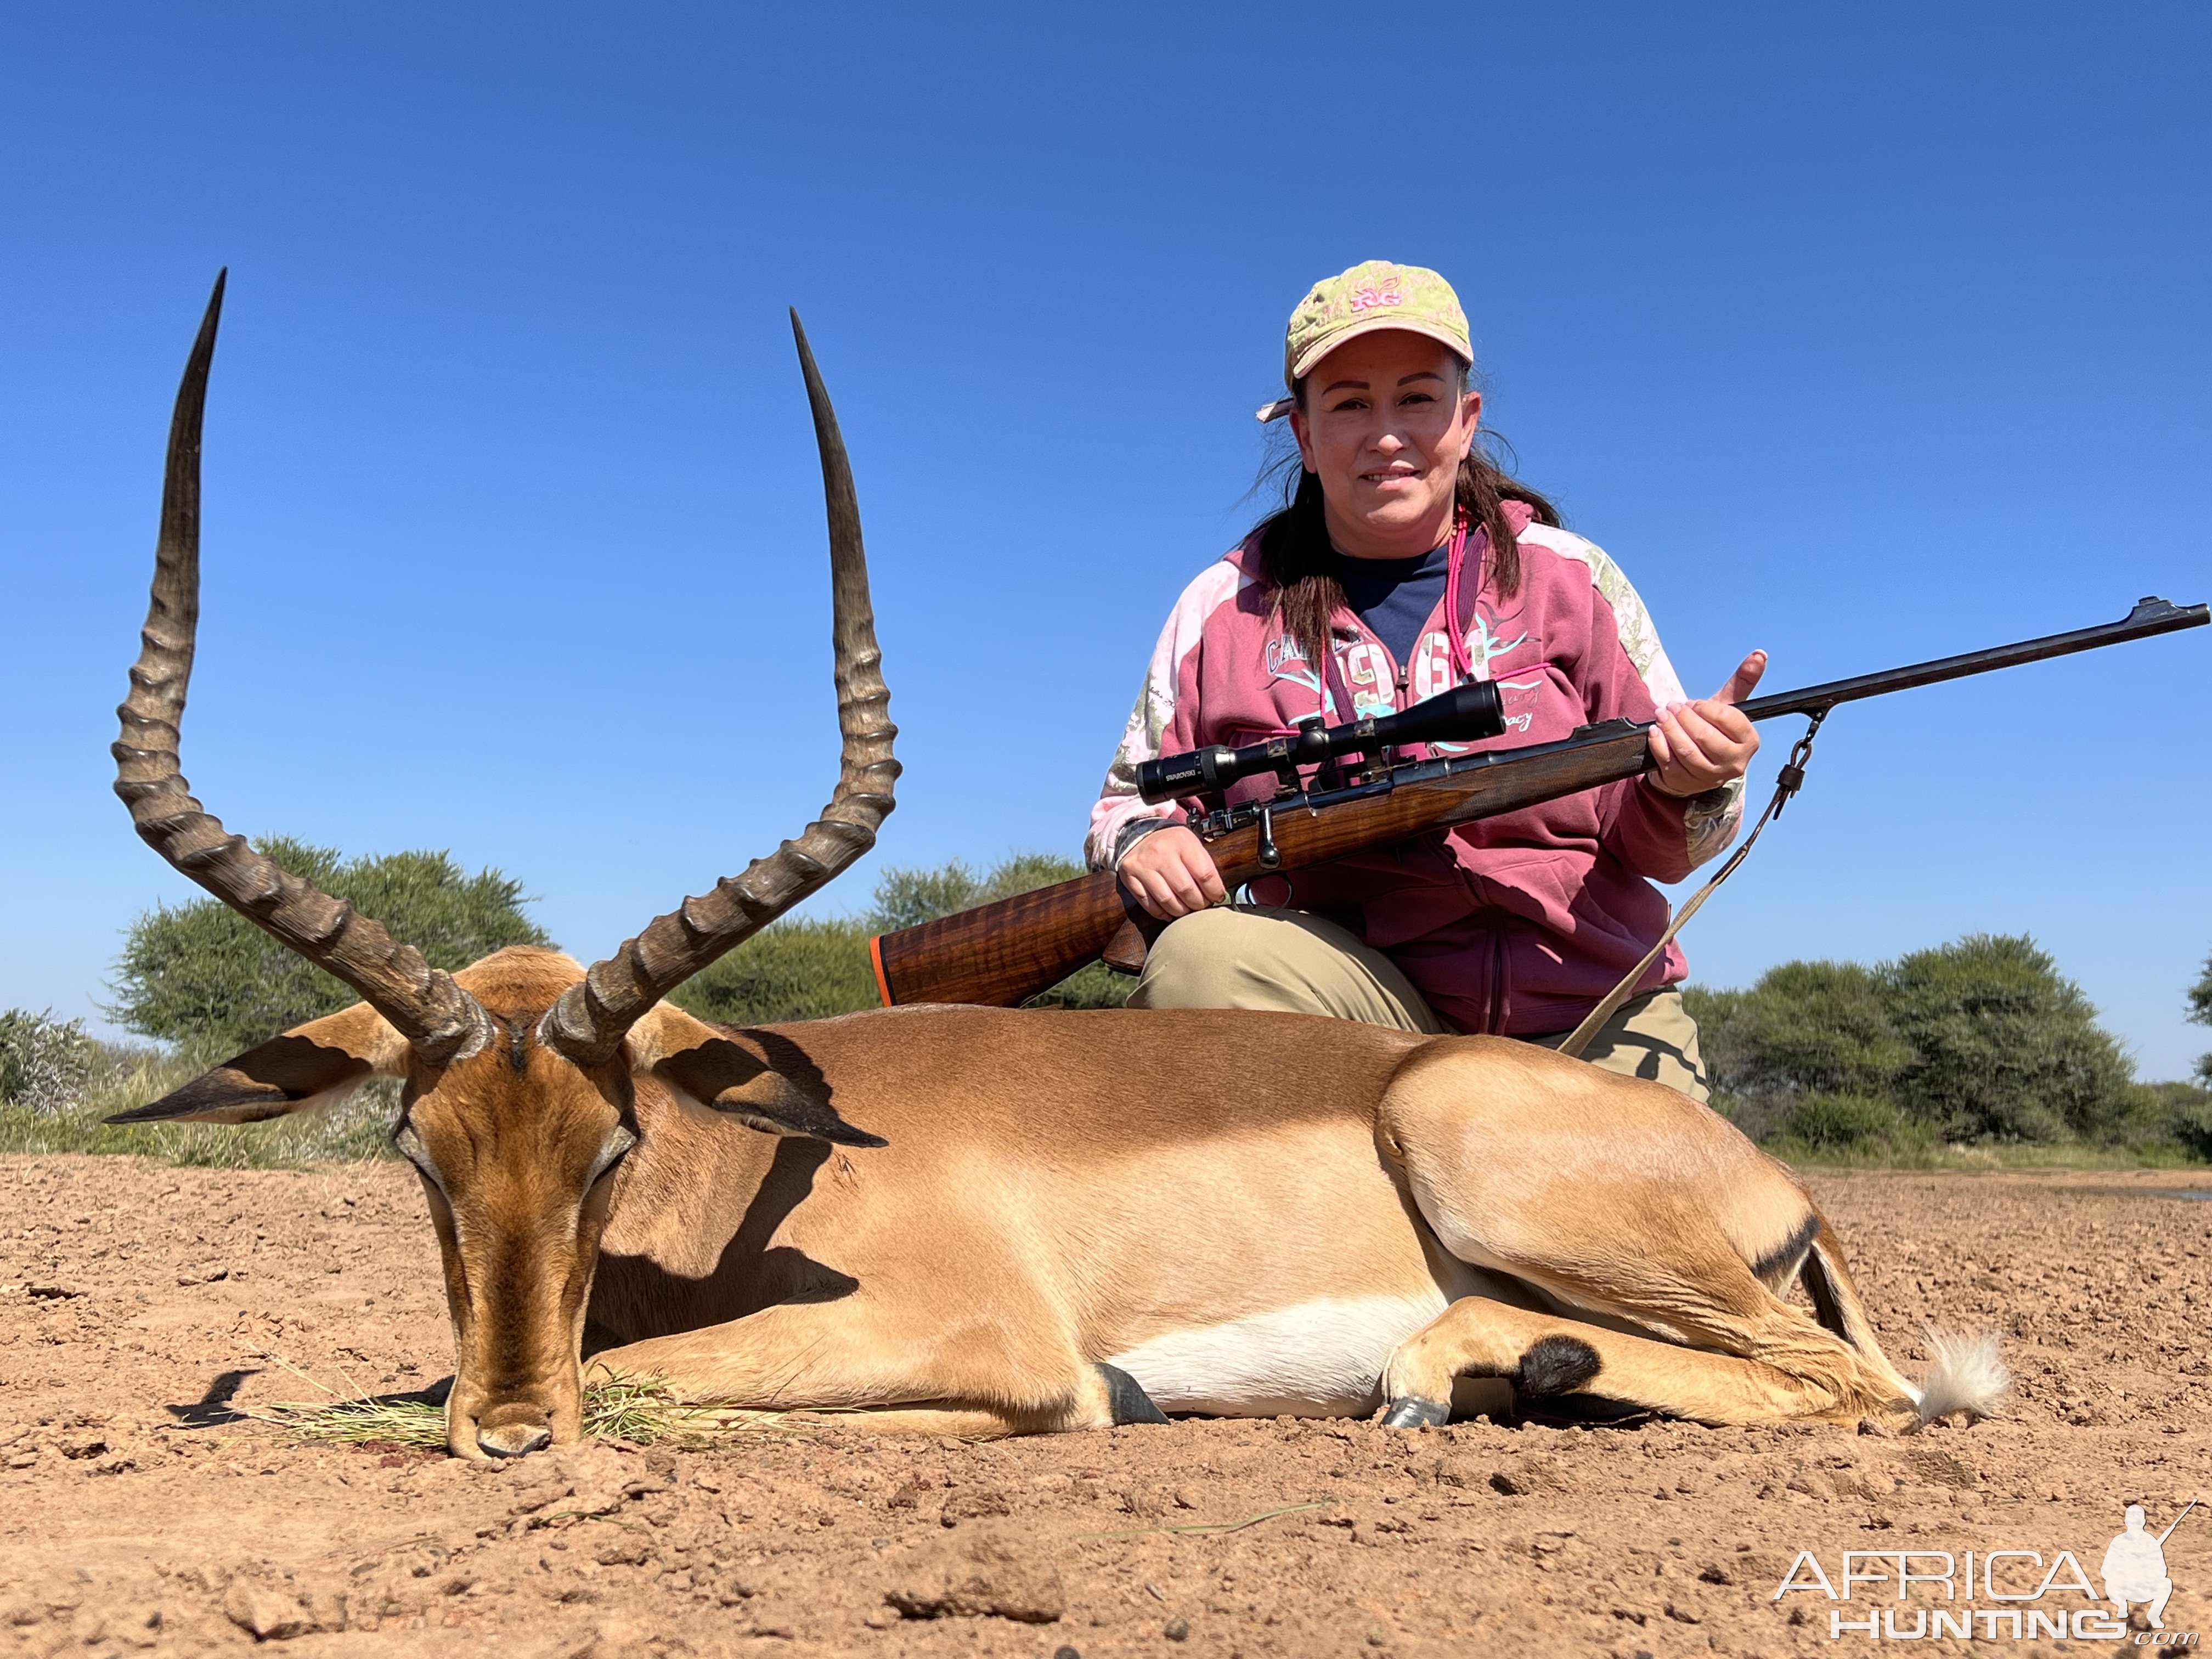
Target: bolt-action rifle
1341, 790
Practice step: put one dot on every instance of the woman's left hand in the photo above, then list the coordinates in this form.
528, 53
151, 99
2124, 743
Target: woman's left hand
1697, 746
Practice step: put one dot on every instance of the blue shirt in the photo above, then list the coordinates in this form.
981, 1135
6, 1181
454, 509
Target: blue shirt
1395, 597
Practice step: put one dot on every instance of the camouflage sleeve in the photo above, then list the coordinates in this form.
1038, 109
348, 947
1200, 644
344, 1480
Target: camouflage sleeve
1161, 722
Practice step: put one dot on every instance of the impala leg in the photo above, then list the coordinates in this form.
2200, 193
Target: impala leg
1626, 1201
1543, 1355
891, 1375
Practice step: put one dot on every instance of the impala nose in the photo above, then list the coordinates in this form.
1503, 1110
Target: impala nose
514, 1439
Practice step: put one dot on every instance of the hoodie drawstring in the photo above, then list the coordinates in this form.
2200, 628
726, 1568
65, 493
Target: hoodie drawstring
1462, 666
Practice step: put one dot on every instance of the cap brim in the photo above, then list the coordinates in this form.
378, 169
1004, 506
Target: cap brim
1305, 364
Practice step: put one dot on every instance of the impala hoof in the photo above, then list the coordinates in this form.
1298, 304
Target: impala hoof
1127, 1399
1415, 1412
513, 1439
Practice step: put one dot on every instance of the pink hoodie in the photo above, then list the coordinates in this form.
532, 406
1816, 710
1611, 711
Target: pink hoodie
1517, 924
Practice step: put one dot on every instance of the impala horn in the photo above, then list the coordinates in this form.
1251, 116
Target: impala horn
441, 1020
588, 1022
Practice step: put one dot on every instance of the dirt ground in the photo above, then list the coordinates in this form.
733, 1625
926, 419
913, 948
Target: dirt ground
139, 1514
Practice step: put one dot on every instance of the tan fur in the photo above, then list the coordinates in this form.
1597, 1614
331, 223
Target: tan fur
1061, 1187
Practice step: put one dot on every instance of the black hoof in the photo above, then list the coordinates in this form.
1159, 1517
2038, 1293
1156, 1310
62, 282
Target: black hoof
1127, 1399
1415, 1412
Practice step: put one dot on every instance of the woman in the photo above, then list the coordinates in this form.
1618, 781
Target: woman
1405, 564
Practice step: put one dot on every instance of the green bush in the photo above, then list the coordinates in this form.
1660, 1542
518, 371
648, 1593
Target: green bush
202, 975
1840, 1122
2003, 1047
2173, 1113
45, 1064
1806, 1027
1978, 1041
791, 969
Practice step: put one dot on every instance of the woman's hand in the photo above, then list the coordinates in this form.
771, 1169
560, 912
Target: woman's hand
1171, 874
1701, 745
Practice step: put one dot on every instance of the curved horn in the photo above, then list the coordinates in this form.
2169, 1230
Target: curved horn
589, 1021
439, 1018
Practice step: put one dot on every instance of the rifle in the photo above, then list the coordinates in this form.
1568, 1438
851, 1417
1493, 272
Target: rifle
2176, 1522
1004, 953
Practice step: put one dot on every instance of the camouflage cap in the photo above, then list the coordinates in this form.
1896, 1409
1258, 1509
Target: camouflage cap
1373, 295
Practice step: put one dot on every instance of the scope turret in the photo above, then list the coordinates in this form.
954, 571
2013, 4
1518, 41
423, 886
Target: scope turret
1465, 714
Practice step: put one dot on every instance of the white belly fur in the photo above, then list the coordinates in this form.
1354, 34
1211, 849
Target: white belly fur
1321, 1359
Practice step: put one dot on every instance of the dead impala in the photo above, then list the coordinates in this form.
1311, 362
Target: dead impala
977, 1221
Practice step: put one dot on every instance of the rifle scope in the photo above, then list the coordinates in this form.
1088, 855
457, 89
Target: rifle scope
1465, 714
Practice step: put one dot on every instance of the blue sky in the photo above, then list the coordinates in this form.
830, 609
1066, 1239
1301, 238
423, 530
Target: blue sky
1862, 334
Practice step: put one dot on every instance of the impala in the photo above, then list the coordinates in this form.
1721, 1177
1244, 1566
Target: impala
980, 1221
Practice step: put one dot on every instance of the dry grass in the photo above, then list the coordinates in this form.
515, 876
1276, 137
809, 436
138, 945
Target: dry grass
641, 1411
352, 1130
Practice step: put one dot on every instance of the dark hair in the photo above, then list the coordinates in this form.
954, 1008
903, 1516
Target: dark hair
1294, 545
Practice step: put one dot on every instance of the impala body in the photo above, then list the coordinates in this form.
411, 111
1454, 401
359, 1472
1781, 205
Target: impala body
980, 1221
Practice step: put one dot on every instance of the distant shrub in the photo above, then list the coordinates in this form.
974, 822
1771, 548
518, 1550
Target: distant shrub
2176, 1113
792, 969
1840, 1122
1805, 1027
46, 1064
1979, 1040
2003, 1046
202, 975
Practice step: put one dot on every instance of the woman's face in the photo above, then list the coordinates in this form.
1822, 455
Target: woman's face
1384, 432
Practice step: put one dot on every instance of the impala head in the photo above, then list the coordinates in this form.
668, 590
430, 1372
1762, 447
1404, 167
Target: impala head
517, 1072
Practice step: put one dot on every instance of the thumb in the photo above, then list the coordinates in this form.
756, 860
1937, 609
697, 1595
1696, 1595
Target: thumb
1744, 680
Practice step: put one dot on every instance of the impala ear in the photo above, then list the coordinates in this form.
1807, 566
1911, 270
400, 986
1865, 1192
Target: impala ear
310, 1065
782, 1094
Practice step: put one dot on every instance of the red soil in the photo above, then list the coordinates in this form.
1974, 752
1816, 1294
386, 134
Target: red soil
131, 1522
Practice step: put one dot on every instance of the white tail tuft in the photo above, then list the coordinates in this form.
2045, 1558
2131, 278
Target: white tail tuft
1965, 1373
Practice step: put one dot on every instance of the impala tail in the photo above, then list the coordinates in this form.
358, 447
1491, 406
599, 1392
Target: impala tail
1966, 1374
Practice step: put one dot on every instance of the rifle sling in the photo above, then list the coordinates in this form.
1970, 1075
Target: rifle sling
1786, 784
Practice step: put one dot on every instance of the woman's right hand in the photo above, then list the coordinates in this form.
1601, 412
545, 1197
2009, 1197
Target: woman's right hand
1171, 874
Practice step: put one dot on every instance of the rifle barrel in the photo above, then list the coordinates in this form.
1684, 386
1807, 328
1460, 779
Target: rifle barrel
2176, 1522
2150, 616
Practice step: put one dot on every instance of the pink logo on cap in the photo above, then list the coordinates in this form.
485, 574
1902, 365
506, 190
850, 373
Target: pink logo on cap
1367, 296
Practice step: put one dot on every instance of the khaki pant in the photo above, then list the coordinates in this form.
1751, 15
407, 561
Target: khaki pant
1256, 957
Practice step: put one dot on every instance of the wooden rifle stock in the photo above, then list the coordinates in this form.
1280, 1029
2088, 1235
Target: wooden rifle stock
1005, 953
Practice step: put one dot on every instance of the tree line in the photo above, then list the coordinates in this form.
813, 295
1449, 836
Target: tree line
1979, 1042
